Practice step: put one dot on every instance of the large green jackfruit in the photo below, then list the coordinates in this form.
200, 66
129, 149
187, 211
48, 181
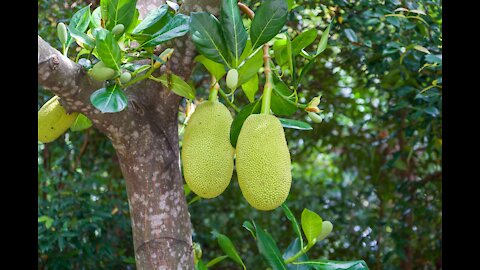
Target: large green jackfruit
207, 155
53, 120
263, 162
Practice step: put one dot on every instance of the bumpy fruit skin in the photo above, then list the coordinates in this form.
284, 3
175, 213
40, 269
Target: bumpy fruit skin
232, 79
101, 73
207, 155
263, 162
53, 120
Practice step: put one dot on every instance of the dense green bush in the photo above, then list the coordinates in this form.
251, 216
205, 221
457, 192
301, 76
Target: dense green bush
372, 167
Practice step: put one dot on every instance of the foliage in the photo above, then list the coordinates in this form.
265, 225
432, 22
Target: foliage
372, 167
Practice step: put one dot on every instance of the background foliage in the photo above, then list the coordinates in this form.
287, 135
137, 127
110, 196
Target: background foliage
372, 167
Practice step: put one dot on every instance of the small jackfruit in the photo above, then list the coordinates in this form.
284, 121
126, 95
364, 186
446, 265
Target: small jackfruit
207, 155
263, 162
101, 72
53, 120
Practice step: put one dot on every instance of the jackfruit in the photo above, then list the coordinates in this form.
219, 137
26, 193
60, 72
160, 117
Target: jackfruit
53, 120
207, 155
263, 162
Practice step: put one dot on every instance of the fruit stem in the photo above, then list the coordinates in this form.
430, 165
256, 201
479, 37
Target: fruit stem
299, 253
268, 87
224, 96
213, 95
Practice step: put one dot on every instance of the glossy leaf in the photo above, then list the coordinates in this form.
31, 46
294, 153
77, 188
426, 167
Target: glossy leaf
311, 225
295, 124
81, 123
335, 265
269, 19
207, 37
322, 45
291, 250
249, 227
216, 69
177, 85
250, 67
293, 220
81, 19
240, 118
250, 88
120, 12
303, 40
176, 27
350, 35
281, 95
216, 260
109, 100
107, 48
95, 18
154, 21
233, 29
268, 249
229, 249
81, 38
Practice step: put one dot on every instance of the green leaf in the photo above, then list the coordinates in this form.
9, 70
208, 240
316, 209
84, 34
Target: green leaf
104, 10
233, 29
421, 49
250, 67
95, 18
176, 27
81, 19
229, 249
81, 123
81, 38
295, 124
291, 250
109, 100
291, 4
303, 40
134, 23
120, 12
269, 250
154, 21
216, 69
350, 35
200, 266
177, 85
250, 88
248, 225
216, 260
237, 123
294, 222
281, 93
322, 45
335, 265
269, 19
107, 48
311, 225
207, 37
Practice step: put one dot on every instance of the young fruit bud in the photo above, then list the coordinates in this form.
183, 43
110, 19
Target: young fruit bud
101, 73
232, 79
125, 77
315, 117
312, 106
118, 29
62, 33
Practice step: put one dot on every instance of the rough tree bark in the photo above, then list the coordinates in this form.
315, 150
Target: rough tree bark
145, 137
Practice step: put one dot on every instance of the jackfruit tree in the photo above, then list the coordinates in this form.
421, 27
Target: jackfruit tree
128, 76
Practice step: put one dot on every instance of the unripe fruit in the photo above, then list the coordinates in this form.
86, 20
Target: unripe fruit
100, 72
315, 117
125, 77
263, 162
118, 29
62, 33
53, 120
207, 155
232, 79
